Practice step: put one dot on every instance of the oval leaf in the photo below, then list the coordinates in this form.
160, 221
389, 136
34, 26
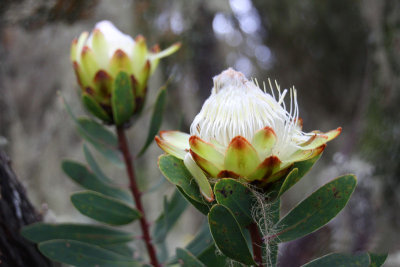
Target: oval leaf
101, 139
97, 132
82, 254
156, 119
107, 149
290, 180
340, 260
175, 171
316, 210
93, 107
173, 209
227, 234
122, 99
202, 207
377, 260
94, 234
103, 208
81, 175
94, 166
306, 165
237, 197
210, 257
186, 259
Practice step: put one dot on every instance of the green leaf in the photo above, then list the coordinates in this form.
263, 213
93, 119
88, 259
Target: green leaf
156, 119
81, 175
103, 208
316, 210
93, 107
202, 207
227, 234
175, 171
94, 166
97, 132
377, 260
209, 257
306, 165
201, 241
82, 254
108, 147
340, 260
172, 211
112, 154
186, 259
120, 248
93, 234
122, 99
290, 180
237, 197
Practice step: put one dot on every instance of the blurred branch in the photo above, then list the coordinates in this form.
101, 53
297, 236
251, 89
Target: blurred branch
33, 15
15, 212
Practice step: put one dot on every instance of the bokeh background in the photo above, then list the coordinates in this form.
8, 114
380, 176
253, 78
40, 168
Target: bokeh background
342, 56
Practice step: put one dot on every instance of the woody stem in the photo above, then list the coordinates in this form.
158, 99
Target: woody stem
123, 146
257, 243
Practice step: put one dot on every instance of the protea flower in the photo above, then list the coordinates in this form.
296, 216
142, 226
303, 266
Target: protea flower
97, 59
245, 133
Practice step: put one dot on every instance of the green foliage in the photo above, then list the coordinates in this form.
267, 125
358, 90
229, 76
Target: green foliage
210, 257
202, 207
156, 119
82, 254
96, 132
377, 260
316, 210
93, 234
186, 259
305, 166
81, 175
175, 171
291, 179
202, 241
97, 135
173, 209
238, 198
91, 104
122, 99
94, 167
340, 260
103, 208
227, 234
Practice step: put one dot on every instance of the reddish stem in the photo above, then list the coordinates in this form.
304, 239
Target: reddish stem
257, 243
123, 146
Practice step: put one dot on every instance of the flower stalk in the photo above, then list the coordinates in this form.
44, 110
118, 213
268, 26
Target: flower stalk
124, 148
257, 243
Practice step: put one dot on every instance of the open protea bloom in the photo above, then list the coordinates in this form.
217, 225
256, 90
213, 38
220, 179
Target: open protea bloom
245, 133
97, 59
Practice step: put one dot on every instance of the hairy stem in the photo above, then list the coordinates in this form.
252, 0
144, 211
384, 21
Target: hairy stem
257, 243
123, 146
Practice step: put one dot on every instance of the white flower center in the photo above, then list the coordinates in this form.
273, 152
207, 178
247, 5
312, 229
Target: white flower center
114, 37
238, 106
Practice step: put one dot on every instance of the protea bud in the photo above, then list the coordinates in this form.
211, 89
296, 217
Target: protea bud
99, 57
245, 133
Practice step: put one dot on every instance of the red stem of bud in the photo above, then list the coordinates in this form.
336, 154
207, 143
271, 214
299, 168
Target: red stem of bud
257, 243
123, 146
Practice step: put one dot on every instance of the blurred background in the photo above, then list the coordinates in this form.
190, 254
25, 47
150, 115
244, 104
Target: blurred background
342, 56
